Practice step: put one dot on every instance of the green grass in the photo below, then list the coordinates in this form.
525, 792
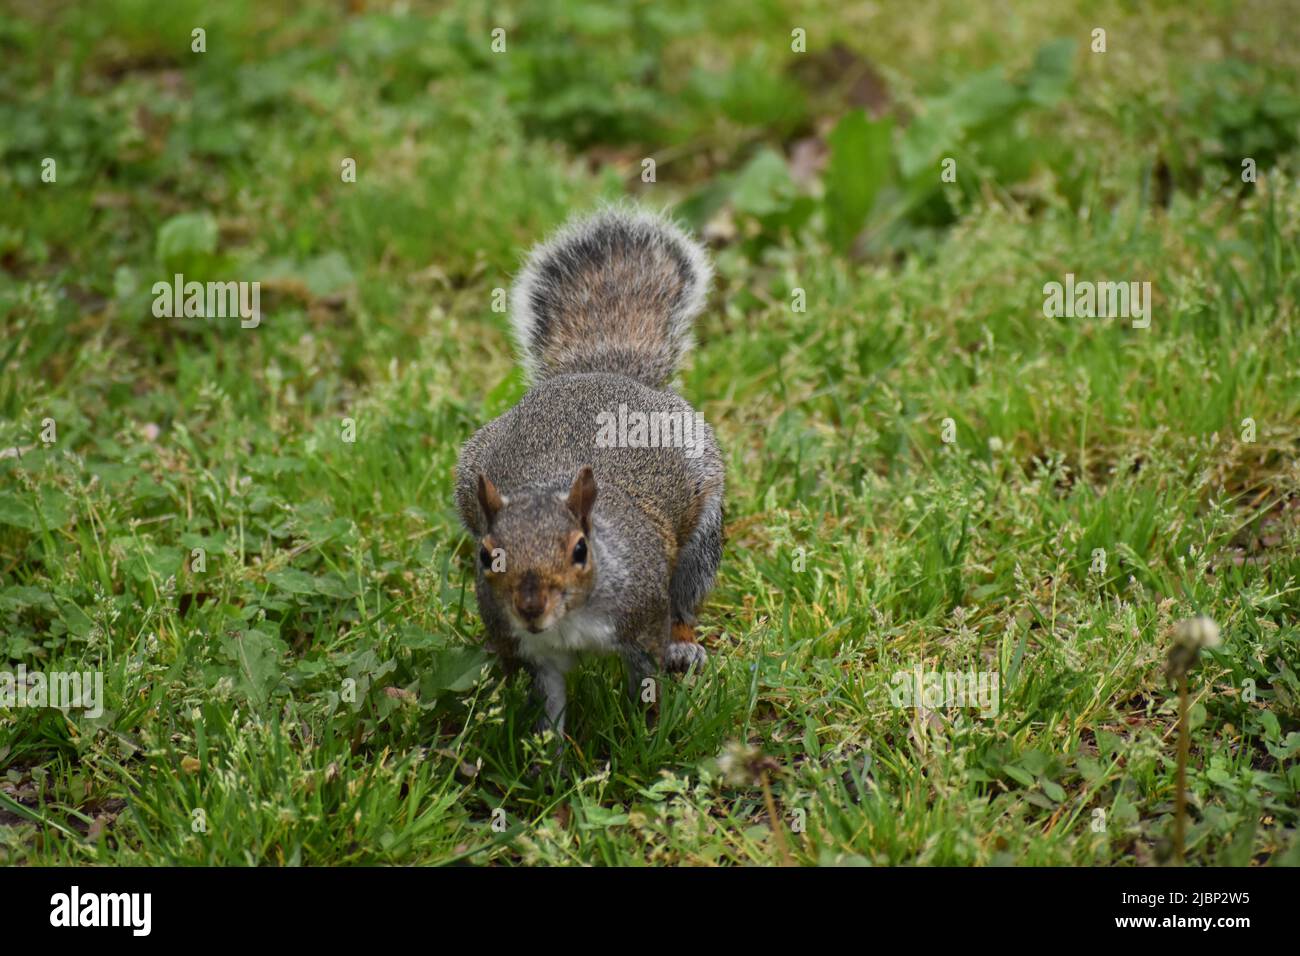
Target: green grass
317, 694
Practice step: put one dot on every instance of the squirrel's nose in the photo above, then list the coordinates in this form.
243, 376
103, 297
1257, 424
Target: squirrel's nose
530, 604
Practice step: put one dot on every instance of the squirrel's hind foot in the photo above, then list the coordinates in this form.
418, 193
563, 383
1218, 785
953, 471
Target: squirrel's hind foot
681, 655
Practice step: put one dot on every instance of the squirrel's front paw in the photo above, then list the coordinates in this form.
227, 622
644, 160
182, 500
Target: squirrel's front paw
680, 655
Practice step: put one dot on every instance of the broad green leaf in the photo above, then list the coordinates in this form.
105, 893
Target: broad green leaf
184, 237
763, 186
1020, 776
455, 669
323, 275
1049, 78
293, 581
332, 585
256, 657
18, 514
598, 817
858, 169
945, 121
1035, 761
18, 598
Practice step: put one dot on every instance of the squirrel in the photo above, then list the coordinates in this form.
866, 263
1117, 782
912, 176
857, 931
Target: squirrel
593, 535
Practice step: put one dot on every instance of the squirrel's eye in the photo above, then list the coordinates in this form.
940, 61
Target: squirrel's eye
580, 551
485, 557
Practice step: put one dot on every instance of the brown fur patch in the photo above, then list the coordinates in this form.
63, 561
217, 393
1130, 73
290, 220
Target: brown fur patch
683, 632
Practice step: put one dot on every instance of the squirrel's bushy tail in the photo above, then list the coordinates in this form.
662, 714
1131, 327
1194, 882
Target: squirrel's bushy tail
613, 292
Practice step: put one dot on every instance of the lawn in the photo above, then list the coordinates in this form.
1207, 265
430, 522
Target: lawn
248, 532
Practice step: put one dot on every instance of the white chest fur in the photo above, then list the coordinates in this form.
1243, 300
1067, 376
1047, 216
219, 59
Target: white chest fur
582, 630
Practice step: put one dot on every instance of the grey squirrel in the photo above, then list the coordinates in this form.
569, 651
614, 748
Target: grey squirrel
593, 535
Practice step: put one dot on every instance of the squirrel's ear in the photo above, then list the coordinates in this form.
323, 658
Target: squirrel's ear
582, 495
489, 499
